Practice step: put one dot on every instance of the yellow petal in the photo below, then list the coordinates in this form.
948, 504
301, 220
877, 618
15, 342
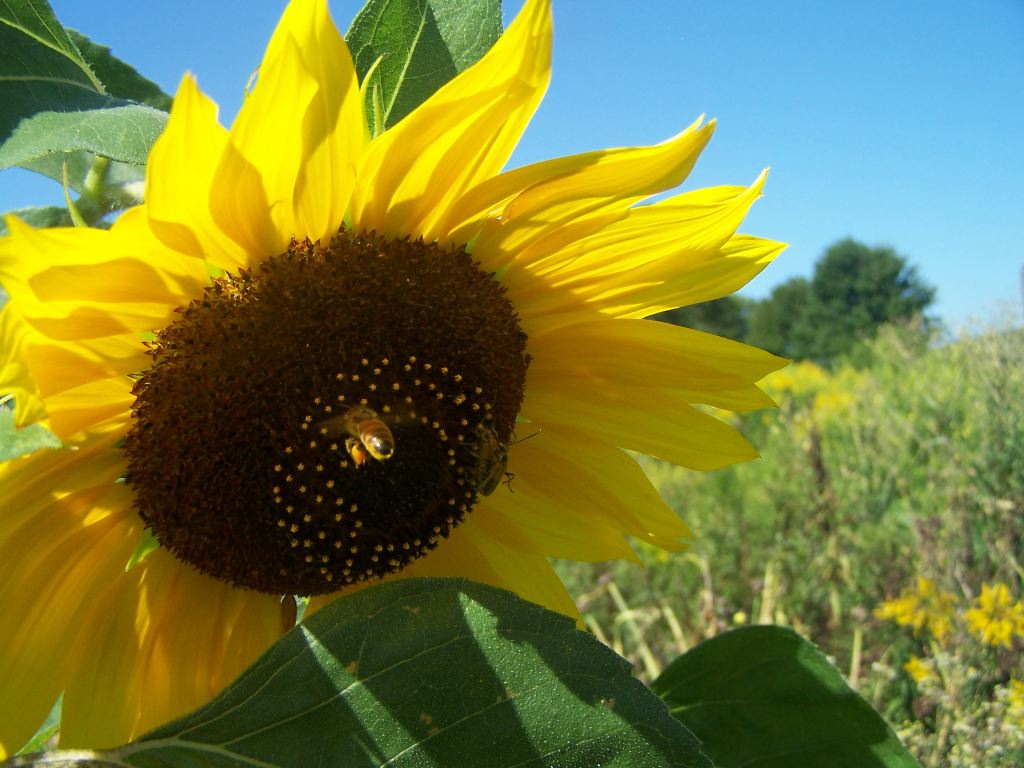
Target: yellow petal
635, 354
76, 321
58, 548
649, 421
82, 384
657, 287
59, 367
334, 129
171, 642
603, 480
741, 259
84, 283
89, 405
648, 246
684, 230
189, 627
32, 482
180, 172
15, 375
462, 135
251, 194
473, 554
525, 516
530, 203
137, 268
99, 709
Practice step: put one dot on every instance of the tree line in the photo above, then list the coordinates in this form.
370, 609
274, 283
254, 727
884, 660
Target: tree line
854, 290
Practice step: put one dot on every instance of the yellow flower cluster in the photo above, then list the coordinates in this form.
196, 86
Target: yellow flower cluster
996, 618
917, 669
798, 381
1015, 699
926, 607
819, 395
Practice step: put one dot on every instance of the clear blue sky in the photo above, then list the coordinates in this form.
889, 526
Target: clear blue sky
896, 123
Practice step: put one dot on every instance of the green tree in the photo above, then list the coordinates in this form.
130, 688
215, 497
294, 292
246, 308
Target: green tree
727, 316
773, 320
856, 289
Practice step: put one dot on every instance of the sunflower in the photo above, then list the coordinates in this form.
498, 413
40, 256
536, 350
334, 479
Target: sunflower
315, 359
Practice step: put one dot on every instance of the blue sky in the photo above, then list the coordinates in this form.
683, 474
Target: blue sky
896, 123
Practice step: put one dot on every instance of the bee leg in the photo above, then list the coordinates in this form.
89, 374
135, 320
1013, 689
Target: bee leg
357, 451
509, 477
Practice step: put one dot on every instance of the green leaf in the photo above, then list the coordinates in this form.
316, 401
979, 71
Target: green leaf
120, 79
428, 673
115, 129
45, 216
147, 545
40, 67
763, 697
16, 442
35, 19
46, 731
424, 44
51, 102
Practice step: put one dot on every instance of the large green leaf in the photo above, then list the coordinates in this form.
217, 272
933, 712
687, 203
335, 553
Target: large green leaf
42, 216
51, 101
120, 79
763, 697
40, 67
114, 129
428, 673
421, 44
122, 184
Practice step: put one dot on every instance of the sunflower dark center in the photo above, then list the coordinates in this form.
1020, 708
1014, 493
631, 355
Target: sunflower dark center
328, 417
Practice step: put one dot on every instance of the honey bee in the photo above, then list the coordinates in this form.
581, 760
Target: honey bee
491, 461
367, 434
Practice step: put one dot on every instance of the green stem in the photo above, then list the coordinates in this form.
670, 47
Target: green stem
855, 659
93, 185
626, 616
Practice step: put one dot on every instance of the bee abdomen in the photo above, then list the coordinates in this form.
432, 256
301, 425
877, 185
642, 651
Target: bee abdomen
377, 439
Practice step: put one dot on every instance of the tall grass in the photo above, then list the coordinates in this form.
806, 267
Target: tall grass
907, 463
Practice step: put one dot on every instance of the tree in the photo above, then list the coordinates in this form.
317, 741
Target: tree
856, 289
772, 321
726, 316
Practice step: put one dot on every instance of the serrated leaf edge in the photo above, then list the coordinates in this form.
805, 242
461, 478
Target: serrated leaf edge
80, 62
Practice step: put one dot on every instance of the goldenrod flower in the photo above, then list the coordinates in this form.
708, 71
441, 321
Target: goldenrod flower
801, 381
917, 669
996, 618
926, 607
1015, 700
201, 361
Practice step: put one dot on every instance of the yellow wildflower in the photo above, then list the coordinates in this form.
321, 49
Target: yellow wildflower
926, 607
1015, 700
917, 669
995, 618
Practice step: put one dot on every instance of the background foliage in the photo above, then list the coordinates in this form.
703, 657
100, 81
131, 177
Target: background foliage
902, 466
